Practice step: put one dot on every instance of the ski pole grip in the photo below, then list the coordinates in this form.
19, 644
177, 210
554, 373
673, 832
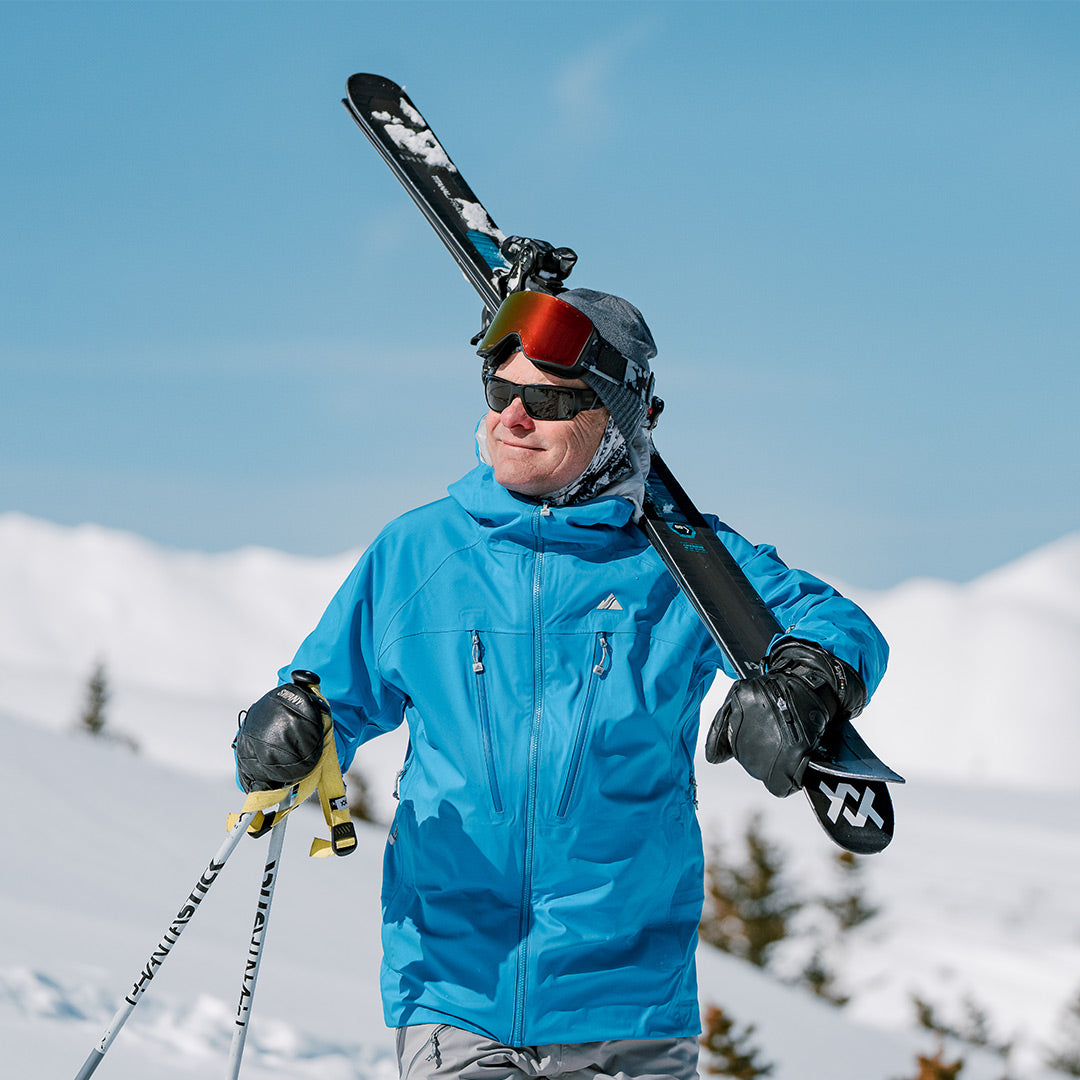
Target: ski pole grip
310, 682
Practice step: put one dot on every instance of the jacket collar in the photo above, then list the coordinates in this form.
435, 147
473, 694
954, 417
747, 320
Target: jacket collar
505, 516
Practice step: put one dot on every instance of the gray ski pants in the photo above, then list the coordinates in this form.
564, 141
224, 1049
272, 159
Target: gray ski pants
439, 1052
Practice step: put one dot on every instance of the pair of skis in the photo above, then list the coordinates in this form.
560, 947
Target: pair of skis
846, 782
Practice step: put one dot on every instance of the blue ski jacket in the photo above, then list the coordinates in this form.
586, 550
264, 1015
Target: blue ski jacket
543, 878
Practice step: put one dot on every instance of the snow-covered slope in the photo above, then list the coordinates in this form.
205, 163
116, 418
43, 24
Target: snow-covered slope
978, 890
99, 858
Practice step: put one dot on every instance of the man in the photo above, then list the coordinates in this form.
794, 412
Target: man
543, 879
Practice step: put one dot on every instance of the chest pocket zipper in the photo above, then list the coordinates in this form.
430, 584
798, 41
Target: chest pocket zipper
599, 670
479, 675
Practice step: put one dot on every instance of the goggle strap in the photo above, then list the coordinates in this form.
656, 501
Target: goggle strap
605, 362
612, 372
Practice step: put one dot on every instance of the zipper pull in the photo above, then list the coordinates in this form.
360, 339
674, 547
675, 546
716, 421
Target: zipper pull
545, 510
599, 668
478, 664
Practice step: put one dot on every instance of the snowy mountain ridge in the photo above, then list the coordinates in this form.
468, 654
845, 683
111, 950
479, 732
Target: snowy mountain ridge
981, 680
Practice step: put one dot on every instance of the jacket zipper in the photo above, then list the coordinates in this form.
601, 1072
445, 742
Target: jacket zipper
597, 673
392, 838
525, 916
485, 721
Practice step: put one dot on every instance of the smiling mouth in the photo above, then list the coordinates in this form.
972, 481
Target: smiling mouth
513, 445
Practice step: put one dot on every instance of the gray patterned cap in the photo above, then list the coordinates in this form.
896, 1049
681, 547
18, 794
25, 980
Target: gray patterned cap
622, 326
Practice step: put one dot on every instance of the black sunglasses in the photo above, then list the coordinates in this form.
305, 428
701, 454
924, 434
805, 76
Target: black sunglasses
540, 400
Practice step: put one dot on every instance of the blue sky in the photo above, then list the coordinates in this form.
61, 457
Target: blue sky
854, 229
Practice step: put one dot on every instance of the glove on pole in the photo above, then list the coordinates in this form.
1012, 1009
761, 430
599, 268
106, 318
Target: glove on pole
287, 738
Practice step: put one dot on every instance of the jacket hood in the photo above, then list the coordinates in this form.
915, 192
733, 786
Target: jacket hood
514, 518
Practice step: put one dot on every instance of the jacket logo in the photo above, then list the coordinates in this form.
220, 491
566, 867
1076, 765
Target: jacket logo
609, 603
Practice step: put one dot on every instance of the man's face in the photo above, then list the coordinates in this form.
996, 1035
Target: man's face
537, 457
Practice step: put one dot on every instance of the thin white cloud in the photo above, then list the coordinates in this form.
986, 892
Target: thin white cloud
582, 87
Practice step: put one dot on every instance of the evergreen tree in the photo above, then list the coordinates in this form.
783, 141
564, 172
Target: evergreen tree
360, 804
851, 908
92, 719
1065, 1058
749, 908
821, 981
935, 1068
846, 910
973, 1028
729, 1050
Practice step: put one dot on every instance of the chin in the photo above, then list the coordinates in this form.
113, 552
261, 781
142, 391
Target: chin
522, 486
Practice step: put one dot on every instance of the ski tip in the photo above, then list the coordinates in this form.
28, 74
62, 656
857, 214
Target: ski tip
364, 86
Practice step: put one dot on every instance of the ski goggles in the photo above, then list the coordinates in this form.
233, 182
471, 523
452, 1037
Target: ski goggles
553, 334
541, 401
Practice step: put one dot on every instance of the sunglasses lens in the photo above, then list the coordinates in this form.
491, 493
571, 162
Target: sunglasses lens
499, 393
550, 330
547, 403
540, 402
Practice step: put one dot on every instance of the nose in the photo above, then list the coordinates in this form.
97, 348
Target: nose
515, 416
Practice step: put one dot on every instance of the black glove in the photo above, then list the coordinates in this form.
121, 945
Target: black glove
772, 723
281, 736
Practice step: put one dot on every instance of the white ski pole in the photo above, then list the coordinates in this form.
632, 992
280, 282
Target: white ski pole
258, 938
168, 940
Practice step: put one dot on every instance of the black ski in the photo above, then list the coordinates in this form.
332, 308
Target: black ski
846, 783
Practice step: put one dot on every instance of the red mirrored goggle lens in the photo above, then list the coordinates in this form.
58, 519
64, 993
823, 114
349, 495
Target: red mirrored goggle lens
550, 330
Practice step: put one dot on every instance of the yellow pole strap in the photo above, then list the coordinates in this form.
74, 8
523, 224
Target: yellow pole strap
326, 779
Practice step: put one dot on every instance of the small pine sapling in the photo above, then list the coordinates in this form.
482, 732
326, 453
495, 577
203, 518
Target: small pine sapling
729, 1051
749, 908
1065, 1057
